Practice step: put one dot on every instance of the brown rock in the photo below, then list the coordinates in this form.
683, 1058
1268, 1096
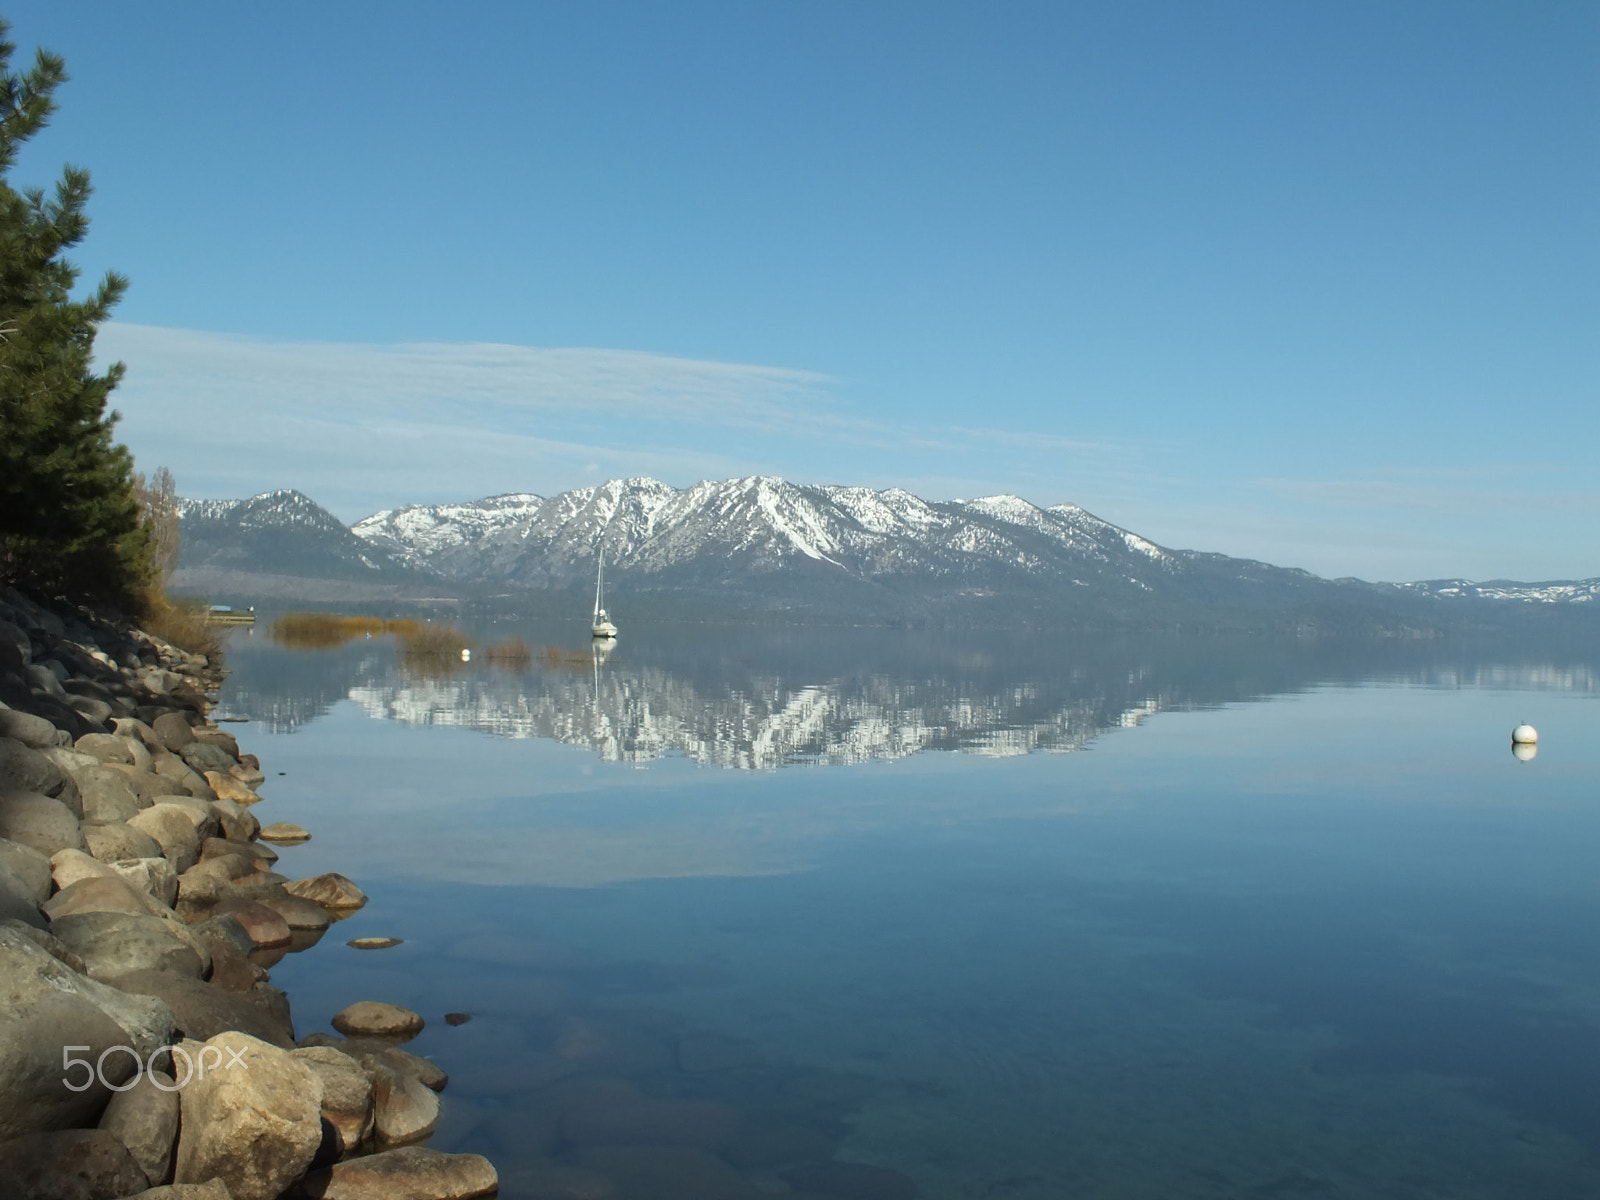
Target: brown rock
403, 1110
173, 730
212, 1189
298, 912
202, 1010
107, 747
228, 788
409, 1173
266, 928
252, 1120
332, 891
284, 833
38, 821
374, 1018
113, 843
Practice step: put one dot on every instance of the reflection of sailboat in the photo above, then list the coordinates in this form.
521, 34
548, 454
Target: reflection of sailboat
601, 626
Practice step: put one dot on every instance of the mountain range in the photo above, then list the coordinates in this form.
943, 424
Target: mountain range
767, 549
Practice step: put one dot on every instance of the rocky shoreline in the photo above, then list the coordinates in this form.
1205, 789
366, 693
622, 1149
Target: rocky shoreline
143, 1048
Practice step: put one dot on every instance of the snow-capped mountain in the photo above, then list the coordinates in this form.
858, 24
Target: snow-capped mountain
760, 524
283, 531
761, 545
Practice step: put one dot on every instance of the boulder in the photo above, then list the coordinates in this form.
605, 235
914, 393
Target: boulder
145, 784
34, 732
29, 866
145, 1120
173, 730
227, 787
261, 857
211, 1189
132, 727
107, 747
24, 769
41, 678
113, 944
203, 757
119, 842
174, 830
235, 821
374, 1018
231, 968
108, 797
99, 893
409, 1173
284, 833
225, 928
37, 821
346, 1093
20, 644
45, 1006
220, 738
251, 777
68, 759
182, 779
297, 912
68, 866
403, 1109
98, 712
200, 813
70, 1164
332, 891
203, 1011
254, 1122
18, 901
265, 928
153, 875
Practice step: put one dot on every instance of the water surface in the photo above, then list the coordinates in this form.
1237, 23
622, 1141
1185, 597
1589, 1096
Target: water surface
1014, 919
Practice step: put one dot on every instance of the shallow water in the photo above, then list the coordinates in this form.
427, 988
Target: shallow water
1013, 919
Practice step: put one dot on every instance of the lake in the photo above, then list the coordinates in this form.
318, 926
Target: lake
1017, 917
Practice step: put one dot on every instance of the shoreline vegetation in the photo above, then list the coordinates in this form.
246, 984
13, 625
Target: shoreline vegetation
143, 1048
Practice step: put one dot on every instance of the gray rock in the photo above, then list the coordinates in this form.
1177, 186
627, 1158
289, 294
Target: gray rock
145, 1120
200, 812
28, 865
31, 731
145, 784
44, 1006
409, 1173
17, 899
215, 847
68, 759
183, 778
114, 944
224, 927
120, 842
132, 727
346, 1093
153, 875
24, 769
235, 820
46, 941
67, 867
173, 730
220, 738
92, 707
106, 747
203, 1011
108, 798
70, 1164
40, 677
38, 821
297, 912
203, 757
254, 1123
171, 826
19, 642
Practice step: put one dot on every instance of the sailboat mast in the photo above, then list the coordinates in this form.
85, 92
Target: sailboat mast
599, 583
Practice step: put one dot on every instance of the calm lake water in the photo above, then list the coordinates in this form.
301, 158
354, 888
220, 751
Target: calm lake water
1017, 918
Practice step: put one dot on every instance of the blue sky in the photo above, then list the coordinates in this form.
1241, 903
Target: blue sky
1317, 283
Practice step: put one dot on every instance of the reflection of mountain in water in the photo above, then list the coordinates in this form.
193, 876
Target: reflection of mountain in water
637, 716
762, 699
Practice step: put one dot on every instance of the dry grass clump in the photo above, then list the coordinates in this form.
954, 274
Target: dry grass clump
324, 631
183, 623
432, 649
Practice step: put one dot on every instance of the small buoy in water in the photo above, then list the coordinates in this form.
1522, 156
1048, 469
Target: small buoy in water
1523, 751
1524, 735
466, 655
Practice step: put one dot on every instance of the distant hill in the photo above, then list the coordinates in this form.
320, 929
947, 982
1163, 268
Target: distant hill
766, 549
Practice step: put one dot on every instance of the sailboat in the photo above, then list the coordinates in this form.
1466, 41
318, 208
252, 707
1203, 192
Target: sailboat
601, 626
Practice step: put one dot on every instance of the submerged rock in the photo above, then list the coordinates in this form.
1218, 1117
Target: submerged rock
374, 1018
409, 1173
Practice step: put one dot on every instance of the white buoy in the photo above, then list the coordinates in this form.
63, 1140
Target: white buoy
1523, 751
466, 655
1524, 735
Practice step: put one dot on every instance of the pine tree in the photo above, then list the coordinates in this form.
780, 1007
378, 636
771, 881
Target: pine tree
69, 520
